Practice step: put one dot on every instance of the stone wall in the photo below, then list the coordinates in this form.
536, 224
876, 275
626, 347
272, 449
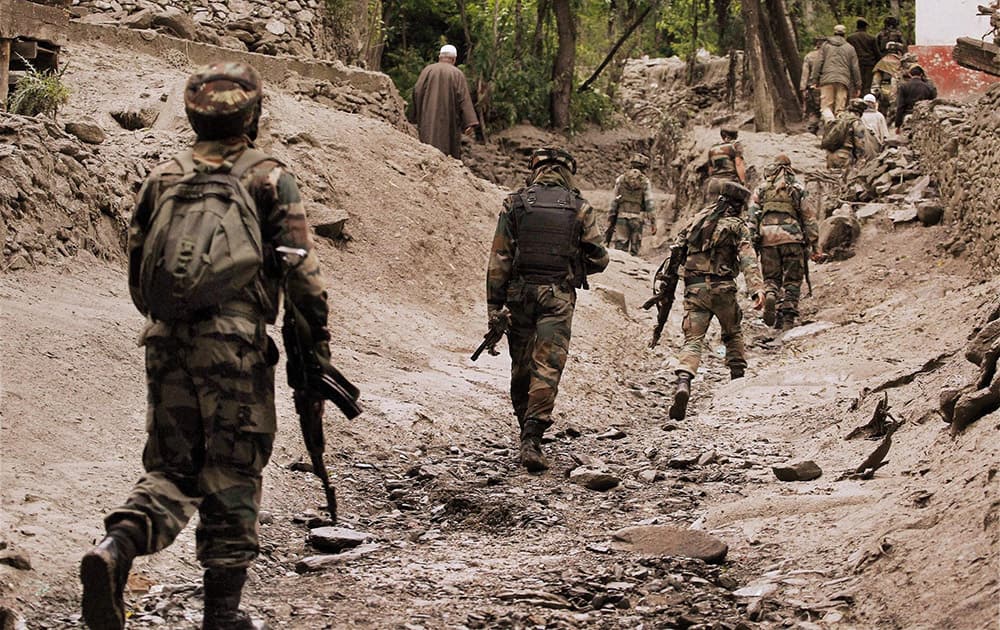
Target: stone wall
960, 148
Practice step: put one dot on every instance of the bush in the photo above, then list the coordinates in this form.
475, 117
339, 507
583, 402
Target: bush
590, 107
39, 92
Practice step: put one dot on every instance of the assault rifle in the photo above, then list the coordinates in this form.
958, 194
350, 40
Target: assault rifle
314, 379
664, 287
498, 328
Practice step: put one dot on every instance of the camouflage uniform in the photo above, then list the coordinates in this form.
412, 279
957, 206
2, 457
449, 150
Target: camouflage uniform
722, 167
541, 301
785, 230
886, 77
633, 206
853, 148
210, 378
718, 248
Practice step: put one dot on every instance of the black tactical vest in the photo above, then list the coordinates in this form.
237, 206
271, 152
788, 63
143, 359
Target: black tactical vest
547, 232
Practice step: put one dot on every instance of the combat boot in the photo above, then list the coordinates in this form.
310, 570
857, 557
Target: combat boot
787, 321
737, 371
678, 410
532, 457
223, 591
770, 300
104, 574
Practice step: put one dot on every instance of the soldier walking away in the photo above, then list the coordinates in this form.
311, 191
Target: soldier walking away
718, 247
867, 49
887, 76
442, 106
632, 206
810, 92
546, 243
890, 33
917, 88
209, 362
837, 74
725, 163
784, 232
844, 140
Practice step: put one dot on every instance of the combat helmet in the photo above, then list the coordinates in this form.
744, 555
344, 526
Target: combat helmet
223, 100
729, 132
552, 155
735, 193
782, 159
638, 160
857, 106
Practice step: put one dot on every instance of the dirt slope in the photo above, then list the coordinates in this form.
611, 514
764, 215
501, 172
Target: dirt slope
465, 538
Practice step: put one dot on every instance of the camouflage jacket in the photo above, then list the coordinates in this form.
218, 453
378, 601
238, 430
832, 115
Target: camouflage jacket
722, 158
632, 196
283, 222
778, 215
719, 246
500, 273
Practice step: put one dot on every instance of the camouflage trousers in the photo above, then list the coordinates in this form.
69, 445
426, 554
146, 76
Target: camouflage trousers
540, 330
841, 159
210, 430
713, 187
702, 301
628, 234
783, 268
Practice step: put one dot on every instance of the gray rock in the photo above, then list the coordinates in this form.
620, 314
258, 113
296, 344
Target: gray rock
798, 471
682, 462
593, 479
87, 130
667, 540
336, 539
177, 22
140, 20
905, 214
328, 222
134, 118
324, 561
19, 561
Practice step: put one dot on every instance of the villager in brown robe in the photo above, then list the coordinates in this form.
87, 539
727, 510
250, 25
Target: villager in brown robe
442, 106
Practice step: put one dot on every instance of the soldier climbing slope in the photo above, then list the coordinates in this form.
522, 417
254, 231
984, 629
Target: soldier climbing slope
631, 207
209, 362
718, 247
545, 245
725, 163
784, 231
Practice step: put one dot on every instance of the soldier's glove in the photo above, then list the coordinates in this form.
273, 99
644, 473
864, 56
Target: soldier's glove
498, 317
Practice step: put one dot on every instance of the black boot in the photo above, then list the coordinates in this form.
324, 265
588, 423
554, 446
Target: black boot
223, 590
769, 305
532, 457
104, 573
679, 409
736, 371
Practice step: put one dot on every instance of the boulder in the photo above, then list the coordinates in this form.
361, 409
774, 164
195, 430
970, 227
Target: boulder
134, 118
328, 222
593, 478
177, 22
930, 213
87, 130
798, 471
139, 20
336, 539
837, 235
667, 540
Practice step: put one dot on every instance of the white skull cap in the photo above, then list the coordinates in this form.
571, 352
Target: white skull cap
448, 51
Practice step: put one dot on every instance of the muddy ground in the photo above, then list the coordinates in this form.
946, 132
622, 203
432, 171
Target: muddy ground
461, 536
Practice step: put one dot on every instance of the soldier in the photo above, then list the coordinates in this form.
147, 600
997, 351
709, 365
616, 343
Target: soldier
632, 206
784, 232
867, 49
210, 376
890, 33
844, 140
887, 76
725, 163
718, 248
546, 243
917, 88
810, 92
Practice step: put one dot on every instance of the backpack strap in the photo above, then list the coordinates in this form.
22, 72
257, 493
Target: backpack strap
186, 161
249, 159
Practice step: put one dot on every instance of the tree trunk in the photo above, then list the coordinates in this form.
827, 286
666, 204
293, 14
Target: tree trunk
538, 45
784, 36
775, 100
466, 31
894, 8
722, 20
562, 67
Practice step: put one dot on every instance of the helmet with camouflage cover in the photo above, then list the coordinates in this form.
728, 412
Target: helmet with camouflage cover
782, 159
729, 132
638, 160
857, 106
551, 155
223, 100
735, 193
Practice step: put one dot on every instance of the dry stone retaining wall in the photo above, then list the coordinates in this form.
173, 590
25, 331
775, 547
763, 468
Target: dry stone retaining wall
960, 148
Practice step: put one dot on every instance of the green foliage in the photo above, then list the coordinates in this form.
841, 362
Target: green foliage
590, 107
520, 93
39, 92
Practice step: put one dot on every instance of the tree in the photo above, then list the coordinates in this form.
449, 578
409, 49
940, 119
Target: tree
775, 99
563, 65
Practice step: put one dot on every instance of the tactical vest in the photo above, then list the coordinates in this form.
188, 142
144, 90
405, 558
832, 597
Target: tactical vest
712, 244
631, 194
722, 158
547, 234
779, 199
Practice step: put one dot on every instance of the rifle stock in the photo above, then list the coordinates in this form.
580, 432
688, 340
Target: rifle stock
664, 287
498, 328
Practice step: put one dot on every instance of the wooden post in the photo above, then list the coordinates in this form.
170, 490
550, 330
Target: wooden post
4, 71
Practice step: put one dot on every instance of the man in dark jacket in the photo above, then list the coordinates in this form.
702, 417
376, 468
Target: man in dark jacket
837, 74
867, 49
890, 33
917, 88
546, 243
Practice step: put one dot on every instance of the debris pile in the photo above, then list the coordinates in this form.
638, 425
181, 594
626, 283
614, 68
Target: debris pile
271, 28
959, 144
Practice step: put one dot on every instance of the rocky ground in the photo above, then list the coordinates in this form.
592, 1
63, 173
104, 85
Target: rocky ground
454, 533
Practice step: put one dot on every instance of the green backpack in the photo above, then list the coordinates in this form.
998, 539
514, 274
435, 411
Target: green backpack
203, 244
836, 134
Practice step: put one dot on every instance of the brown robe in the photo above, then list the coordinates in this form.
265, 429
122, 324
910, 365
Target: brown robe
442, 107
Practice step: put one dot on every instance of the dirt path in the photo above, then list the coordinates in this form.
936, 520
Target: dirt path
462, 537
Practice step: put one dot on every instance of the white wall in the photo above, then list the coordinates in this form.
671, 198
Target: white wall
941, 22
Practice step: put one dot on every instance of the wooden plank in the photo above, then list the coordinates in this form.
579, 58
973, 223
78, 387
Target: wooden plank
4, 71
977, 55
28, 19
27, 49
